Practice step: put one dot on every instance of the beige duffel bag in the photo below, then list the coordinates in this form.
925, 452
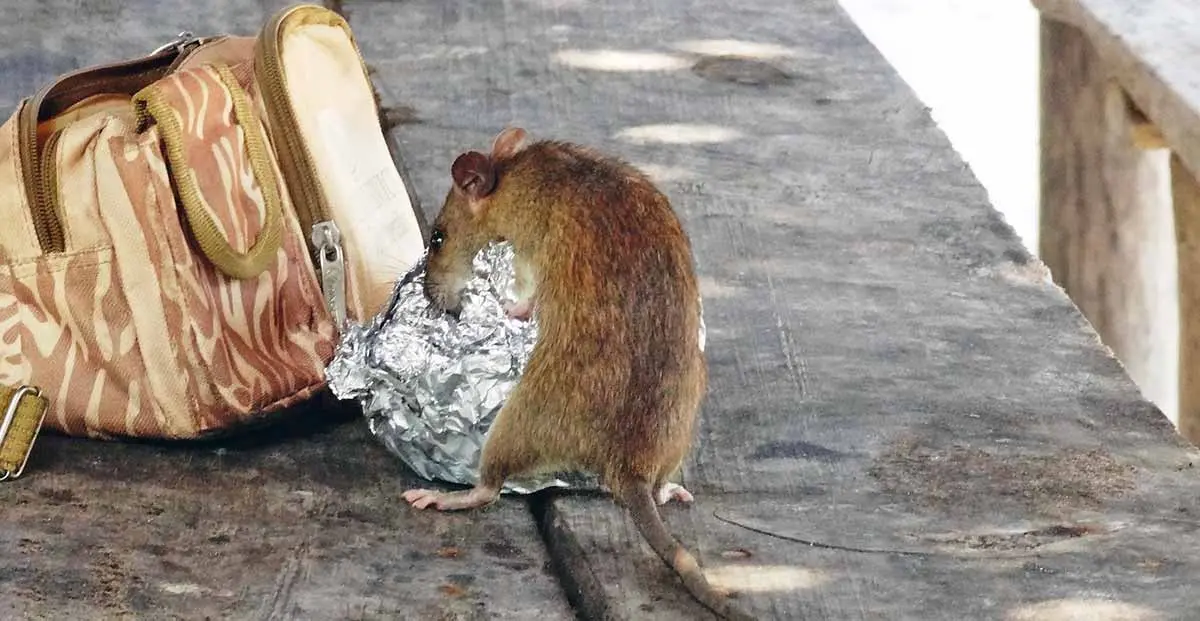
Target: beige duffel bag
183, 233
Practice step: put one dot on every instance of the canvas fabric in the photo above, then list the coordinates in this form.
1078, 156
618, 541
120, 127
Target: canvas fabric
159, 283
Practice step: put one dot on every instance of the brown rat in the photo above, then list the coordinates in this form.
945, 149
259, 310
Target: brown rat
615, 381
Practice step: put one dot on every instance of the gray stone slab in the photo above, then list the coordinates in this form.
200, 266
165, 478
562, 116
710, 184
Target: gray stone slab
892, 374
300, 521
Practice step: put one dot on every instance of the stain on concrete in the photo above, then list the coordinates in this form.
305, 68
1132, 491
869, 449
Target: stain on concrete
796, 449
1019, 540
959, 479
394, 116
741, 71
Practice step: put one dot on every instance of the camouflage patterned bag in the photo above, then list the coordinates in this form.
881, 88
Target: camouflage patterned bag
183, 233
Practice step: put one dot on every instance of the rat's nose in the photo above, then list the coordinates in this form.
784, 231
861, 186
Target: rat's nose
455, 312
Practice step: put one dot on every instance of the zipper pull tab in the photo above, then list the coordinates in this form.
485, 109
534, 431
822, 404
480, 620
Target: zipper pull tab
181, 42
328, 241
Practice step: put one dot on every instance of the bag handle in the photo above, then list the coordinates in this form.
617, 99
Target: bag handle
154, 104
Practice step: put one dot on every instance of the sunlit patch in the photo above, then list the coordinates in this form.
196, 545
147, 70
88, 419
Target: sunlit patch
666, 174
1033, 272
455, 52
678, 133
764, 578
621, 60
733, 47
711, 288
1083, 610
555, 5
181, 588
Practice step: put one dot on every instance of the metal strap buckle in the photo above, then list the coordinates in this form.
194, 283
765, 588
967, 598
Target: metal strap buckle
10, 415
181, 41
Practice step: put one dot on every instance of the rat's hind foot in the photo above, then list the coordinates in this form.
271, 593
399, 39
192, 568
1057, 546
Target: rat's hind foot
451, 501
672, 491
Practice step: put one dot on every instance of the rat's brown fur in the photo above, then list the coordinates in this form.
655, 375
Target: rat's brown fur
616, 378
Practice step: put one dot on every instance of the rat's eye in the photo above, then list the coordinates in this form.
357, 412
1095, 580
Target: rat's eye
436, 238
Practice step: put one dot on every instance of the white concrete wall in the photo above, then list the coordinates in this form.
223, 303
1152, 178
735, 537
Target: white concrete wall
975, 64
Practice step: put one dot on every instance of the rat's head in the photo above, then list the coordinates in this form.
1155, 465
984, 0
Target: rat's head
462, 227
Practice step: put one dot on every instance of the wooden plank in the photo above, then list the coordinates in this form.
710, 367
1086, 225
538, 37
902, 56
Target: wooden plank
890, 370
1107, 230
841, 555
300, 521
1185, 192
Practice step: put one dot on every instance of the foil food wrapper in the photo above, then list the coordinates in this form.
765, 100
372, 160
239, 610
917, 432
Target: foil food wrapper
430, 386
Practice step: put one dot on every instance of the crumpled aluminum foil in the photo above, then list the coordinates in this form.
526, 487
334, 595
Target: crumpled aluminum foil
430, 386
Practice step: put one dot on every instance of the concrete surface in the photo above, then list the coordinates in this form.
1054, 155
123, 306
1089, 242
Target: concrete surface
1118, 234
906, 421
975, 64
304, 523
893, 378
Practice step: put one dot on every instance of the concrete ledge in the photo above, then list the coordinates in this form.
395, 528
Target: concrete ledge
906, 419
1149, 46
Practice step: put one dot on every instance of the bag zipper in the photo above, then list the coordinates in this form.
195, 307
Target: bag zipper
49, 179
45, 216
37, 172
295, 161
328, 240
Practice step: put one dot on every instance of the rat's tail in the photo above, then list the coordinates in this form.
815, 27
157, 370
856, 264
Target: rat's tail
639, 500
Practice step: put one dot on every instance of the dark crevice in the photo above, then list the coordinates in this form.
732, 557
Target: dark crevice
395, 116
568, 560
335, 6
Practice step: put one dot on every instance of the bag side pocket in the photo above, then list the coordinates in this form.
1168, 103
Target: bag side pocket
66, 326
253, 341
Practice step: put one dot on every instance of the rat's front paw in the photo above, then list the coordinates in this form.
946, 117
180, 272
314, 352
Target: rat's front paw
451, 501
520, 311
422, 498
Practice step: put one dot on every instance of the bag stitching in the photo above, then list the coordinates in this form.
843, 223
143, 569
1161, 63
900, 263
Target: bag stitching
26, 217
64, 223
172, 281
33, 261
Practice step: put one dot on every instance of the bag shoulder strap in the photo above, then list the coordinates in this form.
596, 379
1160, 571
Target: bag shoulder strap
24, 410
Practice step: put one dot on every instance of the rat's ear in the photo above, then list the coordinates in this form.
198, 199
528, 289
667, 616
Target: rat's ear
508, 143
474, 174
